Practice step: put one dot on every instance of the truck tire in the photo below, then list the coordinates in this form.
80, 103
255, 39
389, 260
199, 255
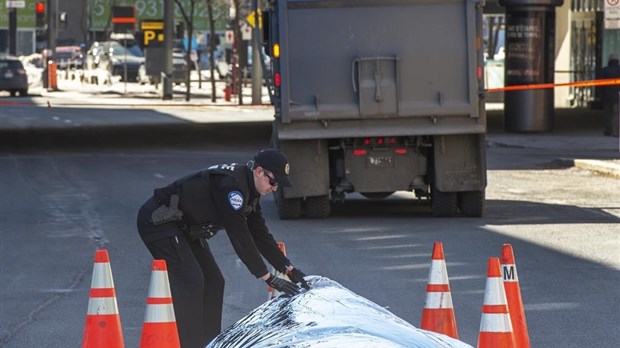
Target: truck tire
317, 207
471, 203
288, 208
443, 204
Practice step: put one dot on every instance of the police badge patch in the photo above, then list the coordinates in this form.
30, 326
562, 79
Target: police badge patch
235, 198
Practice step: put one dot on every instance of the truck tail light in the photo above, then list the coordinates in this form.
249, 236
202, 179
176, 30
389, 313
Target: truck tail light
401, 151
277, 79
480, 59
359, 152
366, 141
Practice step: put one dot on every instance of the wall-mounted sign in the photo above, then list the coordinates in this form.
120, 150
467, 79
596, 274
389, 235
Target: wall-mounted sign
612, 14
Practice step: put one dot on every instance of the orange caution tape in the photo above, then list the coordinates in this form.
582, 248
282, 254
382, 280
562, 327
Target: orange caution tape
587, 83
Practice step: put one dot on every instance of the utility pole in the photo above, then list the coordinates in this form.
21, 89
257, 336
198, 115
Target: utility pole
257, 59
12, 31
168, 45
12, 7
52, 9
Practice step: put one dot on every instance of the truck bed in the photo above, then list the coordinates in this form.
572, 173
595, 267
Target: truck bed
347, 65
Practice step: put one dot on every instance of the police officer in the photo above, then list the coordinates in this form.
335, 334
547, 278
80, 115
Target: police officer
176, 223
610, 96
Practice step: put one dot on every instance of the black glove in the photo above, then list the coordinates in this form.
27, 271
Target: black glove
282, 285
297, 277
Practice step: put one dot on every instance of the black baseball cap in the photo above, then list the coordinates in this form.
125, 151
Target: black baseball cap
275, 162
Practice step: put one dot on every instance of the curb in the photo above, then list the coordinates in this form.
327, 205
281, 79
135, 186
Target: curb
139, 135
611, 168
602, 167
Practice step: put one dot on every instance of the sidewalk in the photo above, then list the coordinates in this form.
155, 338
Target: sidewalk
577, 131
72, 92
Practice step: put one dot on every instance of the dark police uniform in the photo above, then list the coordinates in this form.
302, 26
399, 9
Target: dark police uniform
221, 196
610, 96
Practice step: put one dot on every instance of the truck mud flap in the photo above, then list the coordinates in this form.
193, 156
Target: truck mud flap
309, 163
459, 162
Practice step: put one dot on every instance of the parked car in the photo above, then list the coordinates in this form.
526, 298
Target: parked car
69, 57
112, 56
179, 71
13, 77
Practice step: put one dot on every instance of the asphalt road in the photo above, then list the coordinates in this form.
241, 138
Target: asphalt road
60, 203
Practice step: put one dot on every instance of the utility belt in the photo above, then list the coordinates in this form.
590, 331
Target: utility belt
199, 232
169, 213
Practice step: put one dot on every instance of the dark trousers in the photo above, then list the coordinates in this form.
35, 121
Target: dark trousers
611, 118
196, 282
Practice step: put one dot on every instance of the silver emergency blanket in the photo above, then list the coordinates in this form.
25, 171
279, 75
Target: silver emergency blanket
328, 315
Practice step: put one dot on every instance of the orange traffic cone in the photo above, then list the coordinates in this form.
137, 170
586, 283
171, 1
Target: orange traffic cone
160, 326
438, 313
273, 293
513, 296
495, 327
103, 323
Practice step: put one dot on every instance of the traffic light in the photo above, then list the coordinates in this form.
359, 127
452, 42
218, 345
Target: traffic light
39, 8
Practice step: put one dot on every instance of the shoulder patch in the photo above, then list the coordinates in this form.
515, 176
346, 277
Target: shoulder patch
235, 199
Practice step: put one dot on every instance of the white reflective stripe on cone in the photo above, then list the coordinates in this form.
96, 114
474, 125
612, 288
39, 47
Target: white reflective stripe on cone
159, 286
102, 305
495, 322
159, 313
436, 300
102, 276
494, 292
438, 273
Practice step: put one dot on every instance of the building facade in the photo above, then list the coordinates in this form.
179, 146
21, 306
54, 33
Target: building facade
583, 37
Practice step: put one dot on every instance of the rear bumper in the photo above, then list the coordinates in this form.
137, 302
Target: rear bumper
14, 84
119, 70
353, 128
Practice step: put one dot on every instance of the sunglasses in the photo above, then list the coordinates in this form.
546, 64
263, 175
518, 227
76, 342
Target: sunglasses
272, 181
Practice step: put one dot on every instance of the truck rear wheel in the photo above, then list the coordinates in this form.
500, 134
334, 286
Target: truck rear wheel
288, 208
471, 203
317, 207
443, 204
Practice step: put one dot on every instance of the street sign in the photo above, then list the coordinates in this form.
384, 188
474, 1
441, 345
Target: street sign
612, 14
246, 32
100, 11
251, 19
230, 37
123, 19
153, 32
15, 3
